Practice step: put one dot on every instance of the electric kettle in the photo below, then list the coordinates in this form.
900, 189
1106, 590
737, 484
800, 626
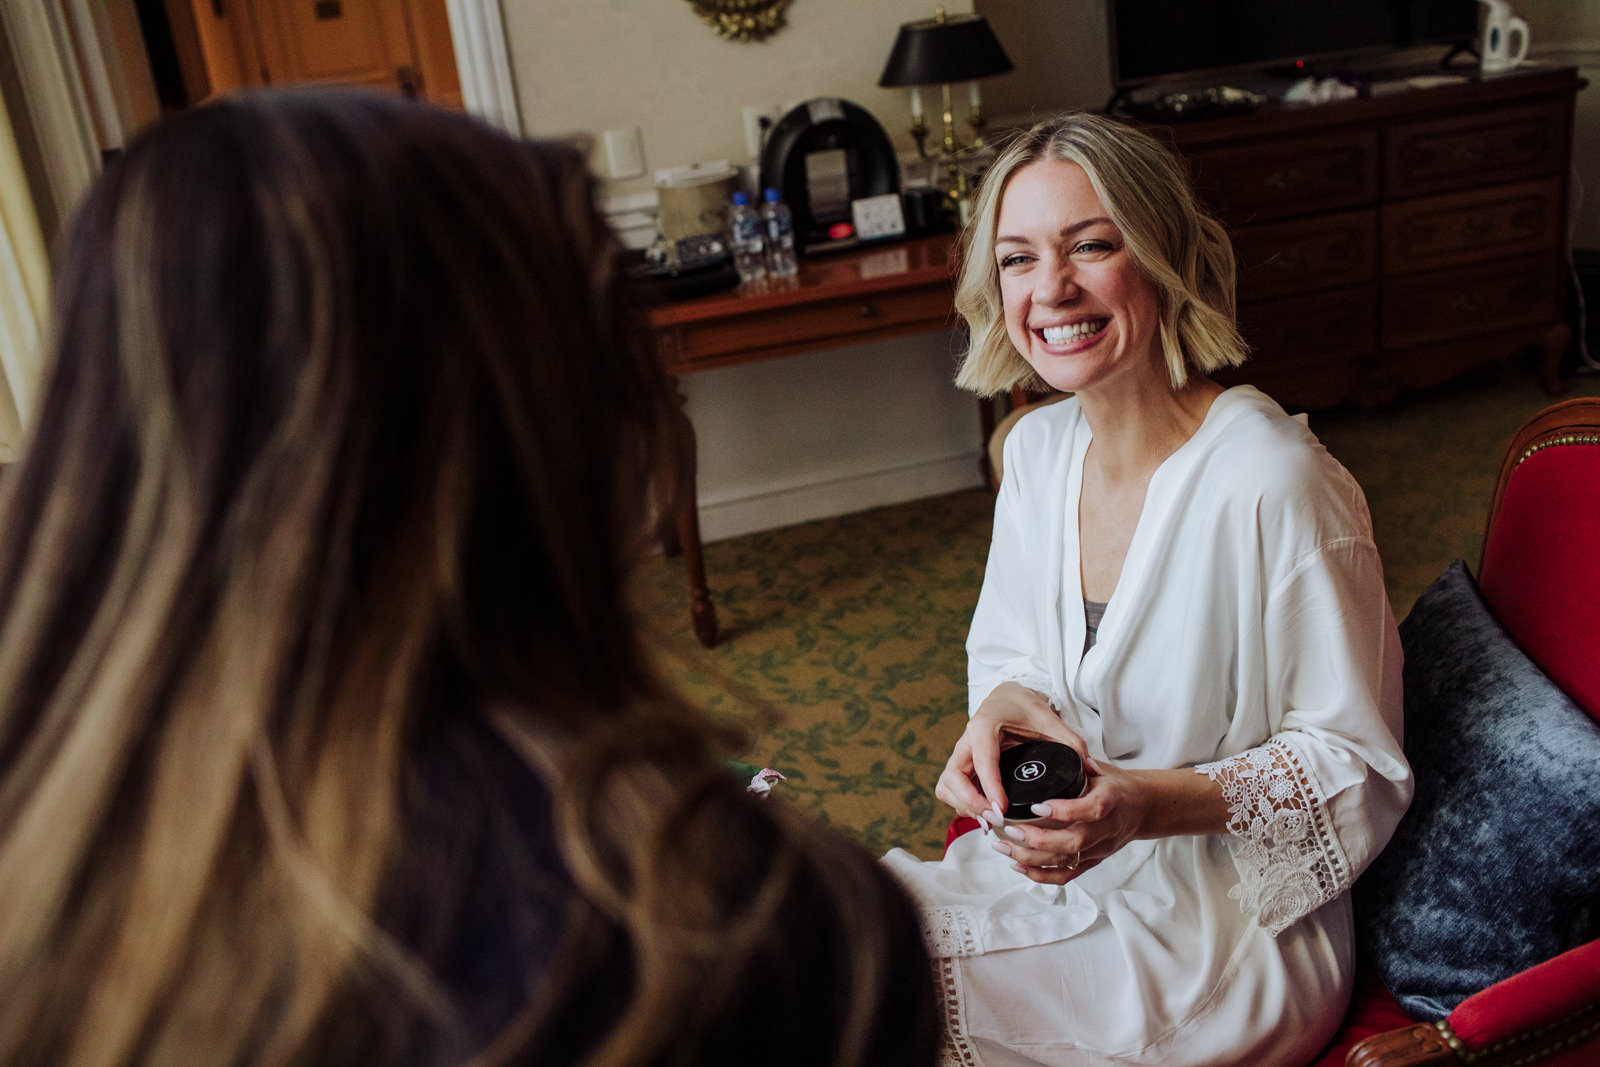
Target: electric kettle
1498, 28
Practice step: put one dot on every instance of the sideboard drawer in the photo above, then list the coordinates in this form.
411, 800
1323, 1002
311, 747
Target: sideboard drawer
1282, 179
1279, 258
784, 330
1425, 308
1340, 323
1501, 145
1461, 228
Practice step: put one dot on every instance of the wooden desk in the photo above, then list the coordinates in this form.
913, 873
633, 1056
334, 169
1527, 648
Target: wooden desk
866, 295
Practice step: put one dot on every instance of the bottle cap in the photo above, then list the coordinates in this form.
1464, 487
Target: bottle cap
772, 196
740, 199
1035, 771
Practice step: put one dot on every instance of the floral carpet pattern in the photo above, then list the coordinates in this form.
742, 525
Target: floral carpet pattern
841, 648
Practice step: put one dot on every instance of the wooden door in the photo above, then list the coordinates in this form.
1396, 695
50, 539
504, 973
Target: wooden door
394, 44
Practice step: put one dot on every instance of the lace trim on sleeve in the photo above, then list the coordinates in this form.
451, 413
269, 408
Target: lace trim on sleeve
1290, 862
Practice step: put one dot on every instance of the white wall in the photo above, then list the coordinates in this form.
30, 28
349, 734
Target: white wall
1569, 33
789, 439
831, 432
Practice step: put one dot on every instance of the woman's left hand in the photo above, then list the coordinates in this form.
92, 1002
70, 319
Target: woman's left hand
1117, 806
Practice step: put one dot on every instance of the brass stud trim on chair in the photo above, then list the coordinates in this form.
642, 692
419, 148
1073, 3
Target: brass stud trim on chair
1498, 1051
1564, 439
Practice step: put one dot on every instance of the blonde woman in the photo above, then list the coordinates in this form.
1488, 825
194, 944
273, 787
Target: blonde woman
325, 733
1183, 588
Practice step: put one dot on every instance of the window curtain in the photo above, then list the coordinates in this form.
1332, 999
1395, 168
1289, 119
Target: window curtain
24, 284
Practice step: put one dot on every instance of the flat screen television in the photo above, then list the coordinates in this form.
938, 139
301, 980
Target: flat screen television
1161, 40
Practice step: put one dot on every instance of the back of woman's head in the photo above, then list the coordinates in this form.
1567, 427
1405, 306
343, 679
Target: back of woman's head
378, 326
1143, 186
344, 446
344, 407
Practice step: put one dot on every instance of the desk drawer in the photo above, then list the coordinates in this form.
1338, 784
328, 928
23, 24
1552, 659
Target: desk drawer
1504, 144
1300, 255
1461, 228
784, 330
1475, 300
1286, 178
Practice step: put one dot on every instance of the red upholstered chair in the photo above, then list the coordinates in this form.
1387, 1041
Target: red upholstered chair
1540, 573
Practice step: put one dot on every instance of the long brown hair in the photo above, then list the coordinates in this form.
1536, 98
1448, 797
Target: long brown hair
345, 410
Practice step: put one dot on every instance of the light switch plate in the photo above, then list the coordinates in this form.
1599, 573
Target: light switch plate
624, 153
878, 216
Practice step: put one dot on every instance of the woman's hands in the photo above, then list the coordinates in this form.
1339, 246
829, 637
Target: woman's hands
1117, 806
1076, 835
970, 782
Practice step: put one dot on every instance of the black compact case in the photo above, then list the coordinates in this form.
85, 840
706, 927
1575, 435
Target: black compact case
1036, 771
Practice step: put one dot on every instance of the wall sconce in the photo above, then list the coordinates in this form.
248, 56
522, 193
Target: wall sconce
939, 51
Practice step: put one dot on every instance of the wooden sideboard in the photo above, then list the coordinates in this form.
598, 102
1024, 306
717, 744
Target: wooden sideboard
870, 294
1391, 242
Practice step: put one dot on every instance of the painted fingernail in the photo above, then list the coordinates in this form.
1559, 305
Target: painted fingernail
1040, 809
999, 816
1013, 833
1000, 847
990, 820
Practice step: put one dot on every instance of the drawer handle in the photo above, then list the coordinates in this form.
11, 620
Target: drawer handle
1286, 181
1476, 227
867, 311
1472, 151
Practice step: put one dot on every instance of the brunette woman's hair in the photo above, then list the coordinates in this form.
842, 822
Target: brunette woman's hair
347, 427
1145, 190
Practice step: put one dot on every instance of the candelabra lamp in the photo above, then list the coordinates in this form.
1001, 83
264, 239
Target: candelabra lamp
940, 51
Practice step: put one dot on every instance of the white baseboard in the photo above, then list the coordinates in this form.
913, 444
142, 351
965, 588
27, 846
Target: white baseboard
839, 496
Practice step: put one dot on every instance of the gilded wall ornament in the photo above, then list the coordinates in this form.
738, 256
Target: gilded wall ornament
742, 20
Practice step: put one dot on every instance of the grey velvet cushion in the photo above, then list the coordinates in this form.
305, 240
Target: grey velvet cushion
1496, 865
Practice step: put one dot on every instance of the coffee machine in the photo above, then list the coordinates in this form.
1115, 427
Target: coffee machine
822, 156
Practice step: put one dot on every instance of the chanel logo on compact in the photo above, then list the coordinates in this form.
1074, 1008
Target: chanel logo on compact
1035, 771
1027, 772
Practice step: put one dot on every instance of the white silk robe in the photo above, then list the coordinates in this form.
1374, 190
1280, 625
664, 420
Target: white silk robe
1249, 637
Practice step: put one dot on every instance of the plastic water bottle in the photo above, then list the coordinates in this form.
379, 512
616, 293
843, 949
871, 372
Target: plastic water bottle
749, 255
778, 222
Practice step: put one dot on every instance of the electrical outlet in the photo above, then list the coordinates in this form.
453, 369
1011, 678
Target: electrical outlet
754, 134
624, 152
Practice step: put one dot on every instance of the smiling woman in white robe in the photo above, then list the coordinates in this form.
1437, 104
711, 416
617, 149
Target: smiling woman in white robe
1239, 706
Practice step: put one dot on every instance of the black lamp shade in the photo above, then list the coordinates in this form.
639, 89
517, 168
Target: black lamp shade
930, 52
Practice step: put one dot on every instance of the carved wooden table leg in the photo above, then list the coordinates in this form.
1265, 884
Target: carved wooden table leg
682, 502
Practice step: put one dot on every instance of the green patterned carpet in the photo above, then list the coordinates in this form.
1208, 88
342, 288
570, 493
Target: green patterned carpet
841, 647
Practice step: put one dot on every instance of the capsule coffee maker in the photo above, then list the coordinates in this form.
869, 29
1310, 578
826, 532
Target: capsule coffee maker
822, 156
